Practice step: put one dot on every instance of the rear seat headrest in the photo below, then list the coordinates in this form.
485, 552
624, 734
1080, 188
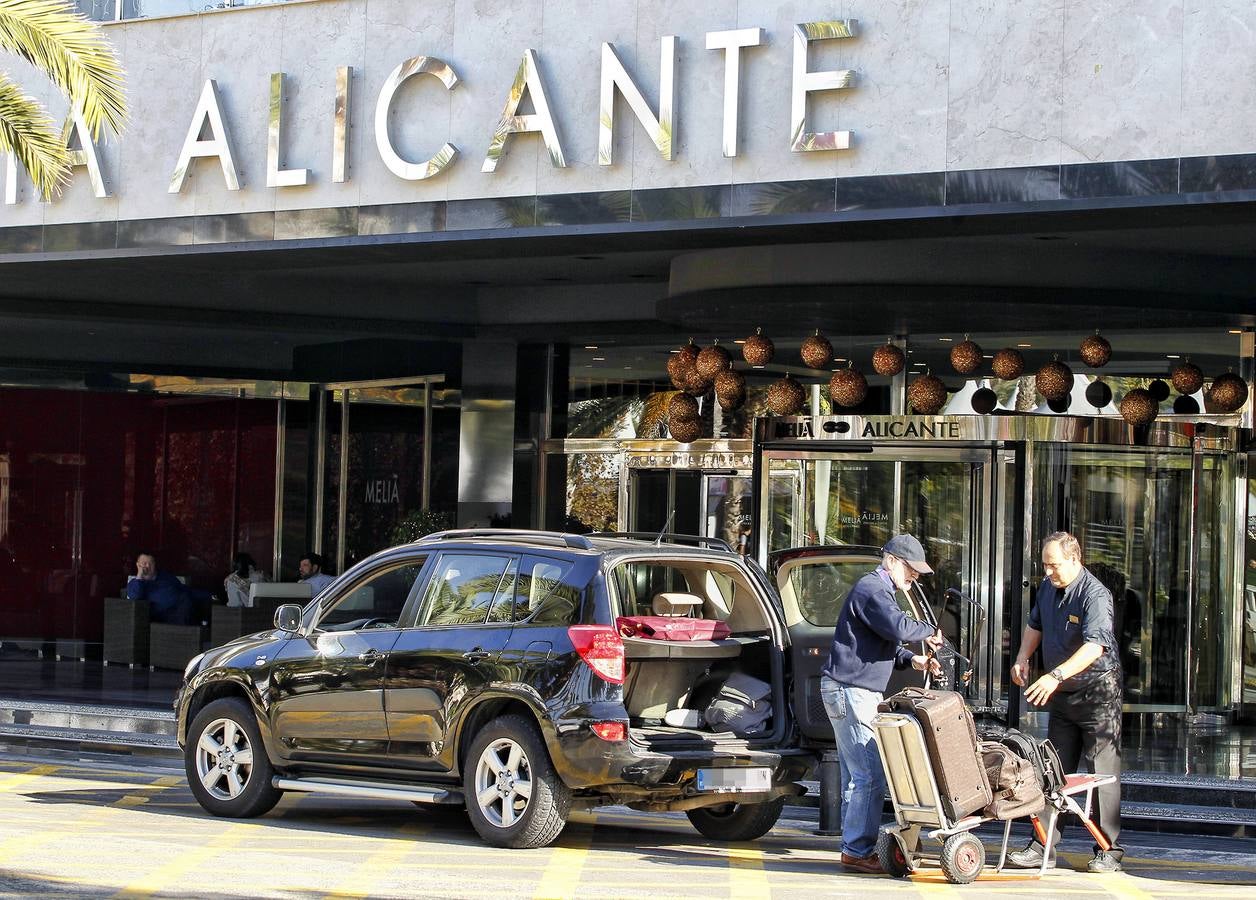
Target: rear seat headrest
671, 603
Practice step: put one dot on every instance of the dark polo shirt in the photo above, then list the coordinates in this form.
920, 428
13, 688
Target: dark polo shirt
1069, 617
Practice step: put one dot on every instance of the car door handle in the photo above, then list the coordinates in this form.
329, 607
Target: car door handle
474, 656
371, 655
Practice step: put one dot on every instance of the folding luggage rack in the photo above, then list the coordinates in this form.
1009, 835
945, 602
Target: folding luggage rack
918, 809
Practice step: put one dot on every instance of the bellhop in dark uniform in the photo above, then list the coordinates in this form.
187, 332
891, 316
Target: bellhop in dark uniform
1072, 621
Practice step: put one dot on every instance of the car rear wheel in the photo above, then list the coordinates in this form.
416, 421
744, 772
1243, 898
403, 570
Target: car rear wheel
737, 821
226, 763
514, 797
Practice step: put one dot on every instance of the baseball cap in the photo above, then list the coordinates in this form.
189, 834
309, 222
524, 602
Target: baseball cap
908, 549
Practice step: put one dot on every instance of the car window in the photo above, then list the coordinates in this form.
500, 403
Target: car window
545, 594
464, 588
637, 584
375, 602
821, 589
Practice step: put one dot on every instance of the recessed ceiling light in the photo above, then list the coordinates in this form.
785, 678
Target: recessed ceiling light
674, 351
1172, 356
946, 340
590, 346
988, 356
1024, 345
740, 341
627, 367
599, 359
1236, 331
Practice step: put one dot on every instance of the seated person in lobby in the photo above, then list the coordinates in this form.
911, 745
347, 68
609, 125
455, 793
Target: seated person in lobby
169, 600
311, 571
244, 573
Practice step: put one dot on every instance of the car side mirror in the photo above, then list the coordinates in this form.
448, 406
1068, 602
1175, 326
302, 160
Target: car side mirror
288, 618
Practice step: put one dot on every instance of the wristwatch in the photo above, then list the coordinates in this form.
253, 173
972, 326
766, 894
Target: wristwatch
1056, 674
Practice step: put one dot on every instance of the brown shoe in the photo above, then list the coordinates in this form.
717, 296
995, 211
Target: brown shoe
868, 865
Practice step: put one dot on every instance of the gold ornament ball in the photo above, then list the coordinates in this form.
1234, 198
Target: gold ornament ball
1054, 380
1186, 377
926, 394
696, 384
966, 357
680, 364
1008, 364
758, 350
848, 387
730, 389
684, 430
682, 406
712, 361
816, 351
785, 397
1227, 394
888, 360
1096, 351
1138, 407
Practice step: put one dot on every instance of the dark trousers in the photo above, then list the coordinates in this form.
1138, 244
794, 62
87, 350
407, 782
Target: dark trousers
1086, 725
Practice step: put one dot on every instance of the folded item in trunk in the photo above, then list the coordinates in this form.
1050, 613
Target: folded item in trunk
742, 705
672, 628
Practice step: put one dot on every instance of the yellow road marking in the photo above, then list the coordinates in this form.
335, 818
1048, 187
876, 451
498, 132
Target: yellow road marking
745, 863
566, 863
1124, 886
13, 782
187, 860
360, 881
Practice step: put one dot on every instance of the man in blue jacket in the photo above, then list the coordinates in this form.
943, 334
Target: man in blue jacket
169, 599
867, 647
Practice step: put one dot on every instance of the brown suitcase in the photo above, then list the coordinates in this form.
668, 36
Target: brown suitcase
951, 738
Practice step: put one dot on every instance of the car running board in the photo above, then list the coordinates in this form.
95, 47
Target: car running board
376, 790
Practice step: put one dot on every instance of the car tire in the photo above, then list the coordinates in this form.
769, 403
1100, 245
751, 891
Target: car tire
736, 821
515, 799
226, 763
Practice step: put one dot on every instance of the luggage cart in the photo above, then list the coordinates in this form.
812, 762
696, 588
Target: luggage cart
918, 810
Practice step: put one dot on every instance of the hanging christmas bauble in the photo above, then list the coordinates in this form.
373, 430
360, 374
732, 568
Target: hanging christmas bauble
1159, 390
695, 383
730, 389
966, 356
712, 361
1060, 404
1227, 394
684, 430
888, 359
1054, 380
682, 406
680, 364
848, 387
816, 351
1008, 364
1187, 378
1096, 351
984, 401
1098, 394
1138, 407
926, 394
758, 350
785, 397
1186, 405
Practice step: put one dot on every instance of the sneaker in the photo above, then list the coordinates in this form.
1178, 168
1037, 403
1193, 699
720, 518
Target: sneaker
868, 865
1029, 858
1103, 863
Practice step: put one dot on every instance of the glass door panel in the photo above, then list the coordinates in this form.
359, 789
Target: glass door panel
727, 510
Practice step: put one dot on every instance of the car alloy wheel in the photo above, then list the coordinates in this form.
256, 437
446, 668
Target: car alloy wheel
503, 782
224, 759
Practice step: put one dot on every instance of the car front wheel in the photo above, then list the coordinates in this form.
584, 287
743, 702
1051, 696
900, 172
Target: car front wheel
226, 764
736, 821
514, 797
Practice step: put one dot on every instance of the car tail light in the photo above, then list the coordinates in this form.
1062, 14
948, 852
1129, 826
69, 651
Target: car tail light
601, 648
610, 731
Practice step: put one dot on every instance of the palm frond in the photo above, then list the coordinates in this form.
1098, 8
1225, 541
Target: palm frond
72, 52
28, 132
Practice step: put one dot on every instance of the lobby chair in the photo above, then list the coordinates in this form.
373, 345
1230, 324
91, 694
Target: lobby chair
171, 646
229, 622
126, 632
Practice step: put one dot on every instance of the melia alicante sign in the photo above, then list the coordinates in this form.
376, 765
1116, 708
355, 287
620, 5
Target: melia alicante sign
211, 137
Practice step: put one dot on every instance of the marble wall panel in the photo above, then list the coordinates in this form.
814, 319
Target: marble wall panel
1005, 93
1218, 112
1122, 84
570, 56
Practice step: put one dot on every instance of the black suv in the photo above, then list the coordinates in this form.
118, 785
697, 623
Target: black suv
485, 668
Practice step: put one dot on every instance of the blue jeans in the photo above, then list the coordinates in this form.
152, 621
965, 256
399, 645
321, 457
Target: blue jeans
851, 710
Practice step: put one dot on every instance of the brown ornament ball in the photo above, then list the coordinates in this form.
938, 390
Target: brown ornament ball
730, 389
758, 350
680, 364
682, 406
816, 351
684, 430
1096, 351
888, 359
1138, 407
785, 397
848, 387
696, 384
926, 394
1186, 377
1008, 364
966, 357
1054, 380
712, 361
1227, 394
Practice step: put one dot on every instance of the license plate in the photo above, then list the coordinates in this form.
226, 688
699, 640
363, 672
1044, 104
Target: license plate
749, 780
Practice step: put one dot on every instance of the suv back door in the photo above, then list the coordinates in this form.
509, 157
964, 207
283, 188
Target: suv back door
813, 583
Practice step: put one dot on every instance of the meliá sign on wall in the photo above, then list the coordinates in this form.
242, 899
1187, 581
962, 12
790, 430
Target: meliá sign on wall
210, 137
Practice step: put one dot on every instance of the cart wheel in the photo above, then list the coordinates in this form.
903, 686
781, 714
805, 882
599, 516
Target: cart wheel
963, 857
890, 853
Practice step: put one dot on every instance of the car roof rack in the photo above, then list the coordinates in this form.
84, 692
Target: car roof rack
658, 537
575, 541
